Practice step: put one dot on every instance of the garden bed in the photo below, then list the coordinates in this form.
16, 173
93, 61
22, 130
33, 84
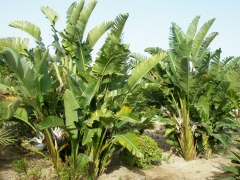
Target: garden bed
174, 168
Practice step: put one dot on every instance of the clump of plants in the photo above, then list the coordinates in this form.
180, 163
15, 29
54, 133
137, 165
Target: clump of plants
21, 167
196, 91
149, 148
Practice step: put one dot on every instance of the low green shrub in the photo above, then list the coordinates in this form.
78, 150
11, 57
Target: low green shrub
152, 154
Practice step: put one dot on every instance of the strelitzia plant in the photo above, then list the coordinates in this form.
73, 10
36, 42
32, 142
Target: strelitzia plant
33, 90
94, 99
97, 104
195, 88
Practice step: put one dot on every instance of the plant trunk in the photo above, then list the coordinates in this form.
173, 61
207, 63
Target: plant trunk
186, 138
187, 143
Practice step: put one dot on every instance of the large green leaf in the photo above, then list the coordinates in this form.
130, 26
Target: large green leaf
216, 63
104, 116
107, 120
84, 17
169, 131
21, 114
111, 61
192, 28
125, 115
95, 34
95, 116
204, 48
11, 110
235, 170
70, 10
16, 44
6, 89
51, 15
22, 68
172, 63
13, 106
88, 135
184, 49
44, 83
29, 28
221, 138
73, 14
202, 106
129, 141
142, 69
184, 75
74, 11
117, 29
82, 161
199, 38
176, 36
51, 121
89, 93
102, 64
71, 106
58, 74
111, 96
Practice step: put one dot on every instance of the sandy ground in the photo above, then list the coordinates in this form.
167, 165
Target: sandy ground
173, 169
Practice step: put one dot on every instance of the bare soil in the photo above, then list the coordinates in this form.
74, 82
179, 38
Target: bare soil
173, 169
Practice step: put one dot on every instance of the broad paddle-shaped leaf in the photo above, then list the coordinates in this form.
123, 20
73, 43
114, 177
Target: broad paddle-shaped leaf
142, 69
129, 141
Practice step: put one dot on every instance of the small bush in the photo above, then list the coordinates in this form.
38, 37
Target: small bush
152, 153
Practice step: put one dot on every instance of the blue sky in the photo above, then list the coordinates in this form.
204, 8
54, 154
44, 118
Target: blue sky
148, 23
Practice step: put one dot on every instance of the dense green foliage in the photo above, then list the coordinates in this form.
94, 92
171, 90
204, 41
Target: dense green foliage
152, 154
83, 109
